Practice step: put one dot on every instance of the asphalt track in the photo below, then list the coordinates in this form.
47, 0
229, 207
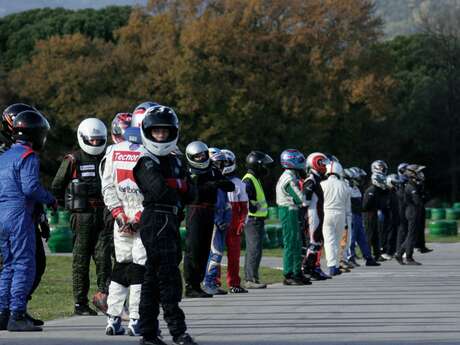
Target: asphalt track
388, 305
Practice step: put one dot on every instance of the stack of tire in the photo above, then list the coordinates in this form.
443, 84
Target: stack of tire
443, 220
60, 240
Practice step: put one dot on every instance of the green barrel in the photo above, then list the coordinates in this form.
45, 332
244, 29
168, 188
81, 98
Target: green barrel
438, 213
60, 240
451, 227
64, 217
273, 213
452, 213
427, 213
53, 217
182, 232
456, 205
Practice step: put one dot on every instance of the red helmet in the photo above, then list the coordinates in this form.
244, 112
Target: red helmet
120, 122
317, 161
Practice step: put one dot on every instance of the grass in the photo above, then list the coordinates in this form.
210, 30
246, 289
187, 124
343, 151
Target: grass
442, 239
53, 299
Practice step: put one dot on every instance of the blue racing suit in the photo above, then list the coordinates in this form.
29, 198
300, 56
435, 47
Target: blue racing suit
20, 190
222, 218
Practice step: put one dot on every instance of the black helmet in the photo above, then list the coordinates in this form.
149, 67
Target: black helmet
8, 117
31, 126
257, 161
155, 117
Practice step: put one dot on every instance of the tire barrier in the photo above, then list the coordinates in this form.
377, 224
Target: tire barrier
61, 238
443, 228
453, 213
438, 213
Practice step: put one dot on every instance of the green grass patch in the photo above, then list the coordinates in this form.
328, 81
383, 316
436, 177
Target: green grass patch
54, 299
442, 239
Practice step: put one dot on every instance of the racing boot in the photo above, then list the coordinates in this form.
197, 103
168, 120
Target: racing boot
114, 326
18, 322
184, 339
210, 290
301, 278
84, 309
412, 262
133, 328
151, 340
191, 292
4, 317
36, 322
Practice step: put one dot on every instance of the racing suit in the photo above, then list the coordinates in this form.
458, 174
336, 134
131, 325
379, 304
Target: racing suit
358, 235
289, 198
122, 195
222, 218
315, 200
337, 213
20, 190
200, 224
163, 183
373, 202
390, 243
91, 238
239, 202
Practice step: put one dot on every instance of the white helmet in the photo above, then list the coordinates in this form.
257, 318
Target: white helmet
379, 166
334, 168
156, 117
230, 162
197, 154
92, 136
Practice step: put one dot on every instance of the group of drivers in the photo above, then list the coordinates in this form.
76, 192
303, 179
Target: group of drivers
127, 201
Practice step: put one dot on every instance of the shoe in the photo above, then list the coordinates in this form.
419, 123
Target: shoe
291, 281
151, 341
100, 301
412, 262
425, 250
345, 264
248, 284
4, 317
195, 293
221, 291
114, 326
352, 261
334, 271
322, 273
372, 262
210, 290
184, 339
344, 269
302, 279
237, 289
19, 323
133, 328
36, 322
387, 256
84, 309
399, 259
316, 275
380, 259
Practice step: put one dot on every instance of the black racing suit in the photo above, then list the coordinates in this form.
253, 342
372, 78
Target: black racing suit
420, 234
413, 213
159, 230
390, 243
374, 199
200, 225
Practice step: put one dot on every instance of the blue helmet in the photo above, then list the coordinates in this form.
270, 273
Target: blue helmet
293, 159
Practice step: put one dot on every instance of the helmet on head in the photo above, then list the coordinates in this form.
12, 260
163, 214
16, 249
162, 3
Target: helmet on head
120, 123
292, 159
379, 180
258, 161
379, 166
139, 113
92, 136
217, 158
230, 162
160, 117
401, 169
197, 154
334, 168
31, 126
415, 173
393, 181
331, 157
317, 161
8, 117
350, 174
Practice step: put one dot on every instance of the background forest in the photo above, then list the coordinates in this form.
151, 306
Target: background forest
253, 74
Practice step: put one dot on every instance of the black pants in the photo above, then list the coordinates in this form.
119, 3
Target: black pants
372, 233
409, 237
162, 280
420, 233
200, 224
40, 261
390, 244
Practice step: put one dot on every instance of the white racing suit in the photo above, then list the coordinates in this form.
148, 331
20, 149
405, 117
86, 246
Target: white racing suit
337, 213
120, 191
